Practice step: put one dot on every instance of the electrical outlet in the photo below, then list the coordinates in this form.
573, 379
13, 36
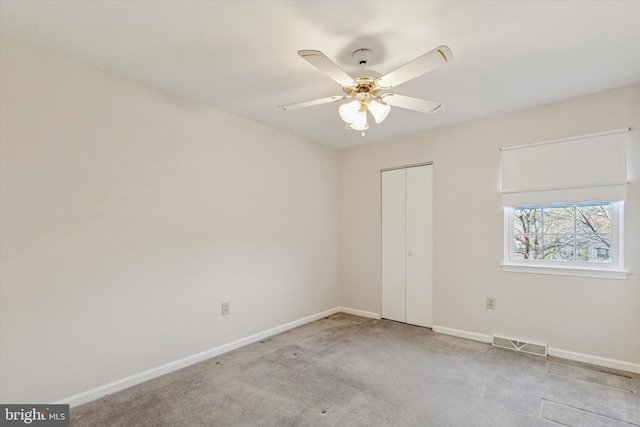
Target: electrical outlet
491, 303
225, 308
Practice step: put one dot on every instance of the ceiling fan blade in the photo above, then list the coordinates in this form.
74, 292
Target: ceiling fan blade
314, 102
411, 103
421, 65
327, 66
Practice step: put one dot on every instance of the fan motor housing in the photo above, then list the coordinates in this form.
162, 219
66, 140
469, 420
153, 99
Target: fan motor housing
366, 84
366, 79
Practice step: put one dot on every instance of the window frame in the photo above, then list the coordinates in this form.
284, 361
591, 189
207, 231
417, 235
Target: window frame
610, 270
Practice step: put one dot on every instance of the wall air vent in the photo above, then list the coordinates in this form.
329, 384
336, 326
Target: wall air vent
526, 347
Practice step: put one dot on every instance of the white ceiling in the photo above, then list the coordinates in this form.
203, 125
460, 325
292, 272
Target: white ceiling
240, 56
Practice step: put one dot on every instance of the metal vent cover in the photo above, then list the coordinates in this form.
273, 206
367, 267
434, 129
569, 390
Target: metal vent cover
526, 347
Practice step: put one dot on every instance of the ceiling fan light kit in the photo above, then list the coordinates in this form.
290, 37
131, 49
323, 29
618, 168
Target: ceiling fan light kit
364, 90
354, 113
379, 110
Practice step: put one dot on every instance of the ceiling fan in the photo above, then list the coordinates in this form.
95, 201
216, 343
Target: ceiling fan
365, 88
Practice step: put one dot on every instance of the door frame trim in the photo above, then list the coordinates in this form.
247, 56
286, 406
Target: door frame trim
415, 165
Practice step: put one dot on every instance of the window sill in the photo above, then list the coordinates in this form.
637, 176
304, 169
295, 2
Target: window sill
567, 271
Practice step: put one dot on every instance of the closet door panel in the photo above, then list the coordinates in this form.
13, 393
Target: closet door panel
419, 247
393, 245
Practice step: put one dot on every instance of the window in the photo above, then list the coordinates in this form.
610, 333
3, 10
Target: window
564, 204
577, 239
564, 233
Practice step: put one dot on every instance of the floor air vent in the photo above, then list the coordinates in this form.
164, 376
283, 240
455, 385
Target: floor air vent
526, 347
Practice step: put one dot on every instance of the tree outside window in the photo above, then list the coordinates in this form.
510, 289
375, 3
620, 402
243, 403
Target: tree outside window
579, 233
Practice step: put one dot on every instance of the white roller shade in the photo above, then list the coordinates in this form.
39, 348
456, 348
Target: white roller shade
572, 170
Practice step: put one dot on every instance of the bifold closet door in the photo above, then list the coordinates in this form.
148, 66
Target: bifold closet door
419, 261
393, 245
407, 248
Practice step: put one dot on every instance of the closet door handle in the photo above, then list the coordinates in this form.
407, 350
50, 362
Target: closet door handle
410, 253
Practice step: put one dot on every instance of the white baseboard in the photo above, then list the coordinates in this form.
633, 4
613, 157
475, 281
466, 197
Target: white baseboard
595, 360
564, 354
360, 313
141, 377
463, 334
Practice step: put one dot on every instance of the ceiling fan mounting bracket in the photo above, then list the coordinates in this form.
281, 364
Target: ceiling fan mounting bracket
362, 56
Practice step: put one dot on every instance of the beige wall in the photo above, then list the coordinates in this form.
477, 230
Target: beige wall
128, 215
584, 315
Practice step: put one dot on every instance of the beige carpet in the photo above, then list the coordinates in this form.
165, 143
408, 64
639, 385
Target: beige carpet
350, 371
